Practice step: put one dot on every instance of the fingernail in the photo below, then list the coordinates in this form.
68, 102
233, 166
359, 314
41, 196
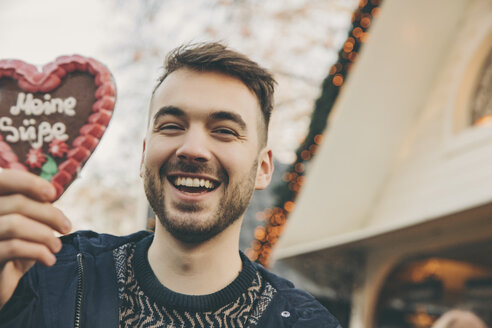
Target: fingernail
52, 260
49, 192
58, 246
67, 226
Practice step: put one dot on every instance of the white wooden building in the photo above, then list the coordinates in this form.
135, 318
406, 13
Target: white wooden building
401, 189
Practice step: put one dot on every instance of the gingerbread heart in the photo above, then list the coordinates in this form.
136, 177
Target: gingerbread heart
51, 121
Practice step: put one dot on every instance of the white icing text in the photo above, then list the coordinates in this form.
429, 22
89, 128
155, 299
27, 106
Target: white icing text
45, 132
33, 106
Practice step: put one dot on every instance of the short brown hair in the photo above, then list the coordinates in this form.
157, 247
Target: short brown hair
216, 57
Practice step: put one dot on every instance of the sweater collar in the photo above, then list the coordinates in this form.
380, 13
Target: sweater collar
152, 287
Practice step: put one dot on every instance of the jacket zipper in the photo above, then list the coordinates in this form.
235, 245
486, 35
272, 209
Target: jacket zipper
80, 290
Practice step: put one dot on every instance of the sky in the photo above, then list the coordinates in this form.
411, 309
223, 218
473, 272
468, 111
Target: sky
37, 33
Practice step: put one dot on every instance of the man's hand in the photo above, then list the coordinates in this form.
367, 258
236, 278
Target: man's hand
27, 224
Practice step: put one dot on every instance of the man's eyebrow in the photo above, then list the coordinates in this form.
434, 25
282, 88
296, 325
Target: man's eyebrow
229, 116
169, 110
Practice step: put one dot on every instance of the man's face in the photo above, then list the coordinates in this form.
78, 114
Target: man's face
202, 157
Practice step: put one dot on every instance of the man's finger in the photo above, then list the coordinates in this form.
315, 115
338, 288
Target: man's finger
16, 249
16, 226
16, 181
44, 213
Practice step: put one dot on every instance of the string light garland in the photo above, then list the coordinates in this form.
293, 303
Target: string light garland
267, 235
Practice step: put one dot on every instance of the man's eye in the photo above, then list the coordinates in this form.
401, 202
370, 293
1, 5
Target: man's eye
226, 131
169, 127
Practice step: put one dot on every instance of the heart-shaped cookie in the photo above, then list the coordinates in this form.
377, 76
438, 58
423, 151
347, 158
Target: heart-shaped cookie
51, 121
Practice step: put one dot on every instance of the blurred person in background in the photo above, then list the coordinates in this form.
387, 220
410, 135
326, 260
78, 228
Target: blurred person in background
204, 154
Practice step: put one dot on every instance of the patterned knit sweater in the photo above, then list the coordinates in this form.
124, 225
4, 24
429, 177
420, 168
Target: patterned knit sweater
146, 303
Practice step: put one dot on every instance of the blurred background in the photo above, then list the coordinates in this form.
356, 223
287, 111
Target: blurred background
297, 40
381, 204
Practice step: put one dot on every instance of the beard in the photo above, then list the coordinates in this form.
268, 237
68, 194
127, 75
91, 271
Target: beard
184, 224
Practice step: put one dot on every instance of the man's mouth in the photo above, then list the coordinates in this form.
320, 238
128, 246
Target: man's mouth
193, 184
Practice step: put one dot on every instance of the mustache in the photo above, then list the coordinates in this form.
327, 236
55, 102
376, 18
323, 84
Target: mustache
185, 166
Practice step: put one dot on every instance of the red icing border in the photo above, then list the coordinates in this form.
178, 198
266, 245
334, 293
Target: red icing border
31, 80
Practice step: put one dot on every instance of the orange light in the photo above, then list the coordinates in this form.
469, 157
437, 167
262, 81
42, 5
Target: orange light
260, 233
421, 319
352, 56
318, 139
365, 22
256, 245
348, 47
260, 216
265, 252
333, 70
279, 219
305, 155
364, 37
313, 149
338, 80
289, 206
357, 32
271, 238
484, 120
299, 167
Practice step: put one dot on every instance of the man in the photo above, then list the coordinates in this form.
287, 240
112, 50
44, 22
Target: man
204, 154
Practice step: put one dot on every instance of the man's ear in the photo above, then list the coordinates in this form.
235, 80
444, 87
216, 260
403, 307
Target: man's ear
265, 169
142, 160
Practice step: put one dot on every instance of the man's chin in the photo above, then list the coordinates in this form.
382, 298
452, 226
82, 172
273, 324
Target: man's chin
190, 233
190, 226
192, 237
187, 209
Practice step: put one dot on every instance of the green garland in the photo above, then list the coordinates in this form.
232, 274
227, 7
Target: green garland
286, 192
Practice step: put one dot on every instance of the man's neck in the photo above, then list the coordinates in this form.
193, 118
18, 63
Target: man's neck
196, 269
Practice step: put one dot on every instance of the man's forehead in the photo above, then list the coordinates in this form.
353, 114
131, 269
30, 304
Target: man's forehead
190, 90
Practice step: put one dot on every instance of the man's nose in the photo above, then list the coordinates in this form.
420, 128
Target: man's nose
194, 147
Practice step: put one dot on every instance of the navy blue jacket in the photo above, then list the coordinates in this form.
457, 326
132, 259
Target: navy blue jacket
80, 290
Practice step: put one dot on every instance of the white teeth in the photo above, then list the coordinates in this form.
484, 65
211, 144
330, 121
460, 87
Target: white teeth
193, 182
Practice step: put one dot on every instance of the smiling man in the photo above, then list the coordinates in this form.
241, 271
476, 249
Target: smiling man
204, 154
